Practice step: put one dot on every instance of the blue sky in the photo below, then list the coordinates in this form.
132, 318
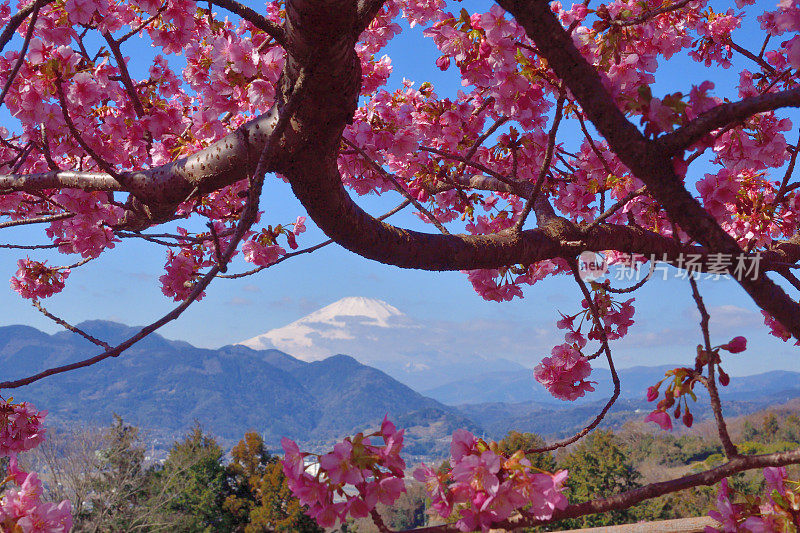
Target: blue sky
123, 285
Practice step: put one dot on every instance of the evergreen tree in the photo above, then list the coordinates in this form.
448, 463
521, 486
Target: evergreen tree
119, 487
194, 477
599, 466
515, 440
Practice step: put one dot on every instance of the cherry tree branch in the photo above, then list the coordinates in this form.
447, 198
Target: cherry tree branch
23, 51
398, 187
723, 115
36, 220
16, 21
68, 326
650, 161
254, 18
711, 385
548, 157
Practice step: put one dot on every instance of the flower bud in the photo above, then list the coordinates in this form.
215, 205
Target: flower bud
724, 378
737, 345
688, 419
677, 412
652, 393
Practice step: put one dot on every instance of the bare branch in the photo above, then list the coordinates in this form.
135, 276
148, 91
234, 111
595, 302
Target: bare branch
36, 220
69, 326
711, 385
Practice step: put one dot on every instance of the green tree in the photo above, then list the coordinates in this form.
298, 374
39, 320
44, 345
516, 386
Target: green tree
194, 478
598, 467
527, 441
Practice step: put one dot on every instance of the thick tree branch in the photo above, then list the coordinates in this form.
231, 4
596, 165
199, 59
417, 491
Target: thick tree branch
254, 18
649, 161
724, 115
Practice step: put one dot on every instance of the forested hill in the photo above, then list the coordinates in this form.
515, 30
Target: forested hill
164, 386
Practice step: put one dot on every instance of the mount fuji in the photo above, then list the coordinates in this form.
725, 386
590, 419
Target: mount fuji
420, 354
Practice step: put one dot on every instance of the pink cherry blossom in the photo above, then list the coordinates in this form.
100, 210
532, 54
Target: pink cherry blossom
21, 427
661, 418
564, 374
36, 280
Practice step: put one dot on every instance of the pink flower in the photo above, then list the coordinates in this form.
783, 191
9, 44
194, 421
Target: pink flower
36, 280
338, 464
564, 373
21, 427
293, 461
299, 225
736, 345
261, 255
463, 443
661, 418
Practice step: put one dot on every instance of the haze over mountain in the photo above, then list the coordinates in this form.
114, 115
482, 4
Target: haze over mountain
421, 355
164, 386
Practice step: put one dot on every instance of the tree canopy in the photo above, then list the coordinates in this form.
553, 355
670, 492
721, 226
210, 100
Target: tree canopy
558, 146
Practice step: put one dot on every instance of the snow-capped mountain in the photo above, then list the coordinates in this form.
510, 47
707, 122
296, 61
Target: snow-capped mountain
421, 354
309, 337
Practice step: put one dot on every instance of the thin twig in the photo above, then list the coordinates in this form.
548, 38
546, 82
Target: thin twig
548, 156
650, 14
36, 220
716, 404
308, 250
621, 203
638, 284
614, 376
474, 164
394, 181
23, 51
70, 327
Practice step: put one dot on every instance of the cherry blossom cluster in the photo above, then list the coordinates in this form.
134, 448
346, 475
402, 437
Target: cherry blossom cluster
36, 280
374, 471
21, 509
777, 329
681, 382
777, 509
483, 487
232, 67
564, 374
21, 427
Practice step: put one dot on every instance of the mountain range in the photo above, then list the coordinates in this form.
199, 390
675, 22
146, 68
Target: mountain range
164, 386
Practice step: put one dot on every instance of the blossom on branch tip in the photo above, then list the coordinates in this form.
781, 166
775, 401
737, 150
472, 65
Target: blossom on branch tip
736, 345
36, 280
564, 374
